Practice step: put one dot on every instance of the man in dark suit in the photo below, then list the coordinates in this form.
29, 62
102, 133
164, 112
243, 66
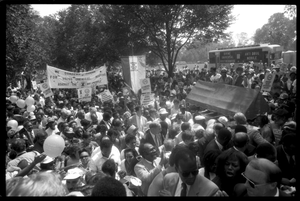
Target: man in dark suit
27, 134
220, 142
240, 142
153, 135
187, 181
286, 157
263, 178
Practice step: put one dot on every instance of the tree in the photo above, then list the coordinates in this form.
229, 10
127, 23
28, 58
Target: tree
242, 39
166, 29
18, 37
279, 30
198, 50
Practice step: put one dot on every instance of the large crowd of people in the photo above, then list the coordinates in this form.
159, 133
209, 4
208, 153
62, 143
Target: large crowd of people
167, 148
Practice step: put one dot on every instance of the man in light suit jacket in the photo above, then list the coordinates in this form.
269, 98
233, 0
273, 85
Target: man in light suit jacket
138, 119
187, 174
149, 166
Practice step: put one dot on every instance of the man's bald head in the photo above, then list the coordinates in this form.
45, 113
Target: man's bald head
271, 170
240, 139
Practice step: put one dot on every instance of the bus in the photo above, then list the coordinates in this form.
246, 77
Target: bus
261, 55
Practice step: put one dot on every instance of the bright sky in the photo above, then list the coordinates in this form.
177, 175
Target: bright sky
248, 17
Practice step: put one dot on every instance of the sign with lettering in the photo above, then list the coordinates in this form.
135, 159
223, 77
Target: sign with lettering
58, 78
145, 85
46, 90
147, 98
268, 82
84, 94
105, 96
241, 56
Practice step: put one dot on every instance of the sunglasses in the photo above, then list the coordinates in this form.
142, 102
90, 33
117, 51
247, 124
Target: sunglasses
251, 183
186, 174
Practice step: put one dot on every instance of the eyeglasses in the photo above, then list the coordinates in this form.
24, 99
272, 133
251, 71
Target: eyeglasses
186, 174
251, 183
81, 157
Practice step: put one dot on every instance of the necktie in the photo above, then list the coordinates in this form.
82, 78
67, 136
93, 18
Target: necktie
30, 138
156, 141
183, 191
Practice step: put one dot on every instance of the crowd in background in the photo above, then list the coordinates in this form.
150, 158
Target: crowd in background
167, 148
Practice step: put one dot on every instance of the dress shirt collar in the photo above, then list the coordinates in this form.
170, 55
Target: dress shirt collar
219, 145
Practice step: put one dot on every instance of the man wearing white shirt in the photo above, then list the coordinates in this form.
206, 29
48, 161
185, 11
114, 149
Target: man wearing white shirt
93, 110
105, 151
215, 76
163, 117
52, 128
64, 115
80, 116
184, 127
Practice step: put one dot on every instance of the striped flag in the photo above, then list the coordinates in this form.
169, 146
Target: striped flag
134, 69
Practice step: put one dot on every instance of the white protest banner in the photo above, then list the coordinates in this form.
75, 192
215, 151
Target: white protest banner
147, 98
145, 85
58, 78
84, 94
106, 96
268, 82
46, 90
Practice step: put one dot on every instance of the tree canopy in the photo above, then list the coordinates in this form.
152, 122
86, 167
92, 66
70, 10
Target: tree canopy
279, 30
87, 36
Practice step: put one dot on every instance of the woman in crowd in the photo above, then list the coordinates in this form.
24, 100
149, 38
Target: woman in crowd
230, 166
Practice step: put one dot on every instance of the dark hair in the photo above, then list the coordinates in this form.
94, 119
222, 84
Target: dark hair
92, 179
135, 154
72, 149
194, 146
116, 123
109, 167
101, 128
106, 143
142, 149
184, 154
187, 136
84, 150
85, 122
84, 135
185, 125
164, 125
128, 138
109, 187
112, 132
137, 108
176, 149
40, 134
240, 128
106, 116
172, 133
226, 155
266, 150
18, 145
224, 136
